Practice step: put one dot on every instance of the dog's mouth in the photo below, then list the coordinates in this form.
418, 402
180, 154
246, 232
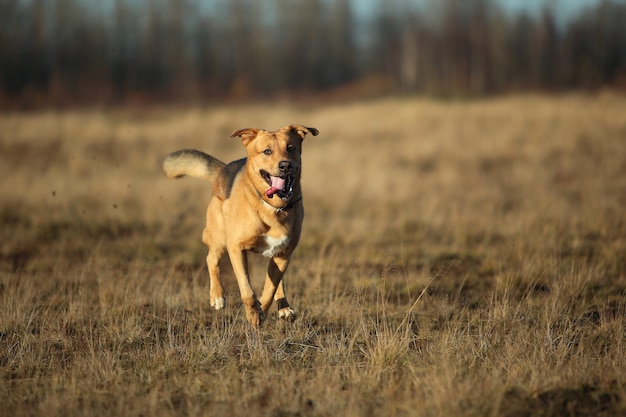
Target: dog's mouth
281, 186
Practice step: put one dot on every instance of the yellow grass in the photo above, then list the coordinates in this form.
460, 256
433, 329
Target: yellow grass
458, 259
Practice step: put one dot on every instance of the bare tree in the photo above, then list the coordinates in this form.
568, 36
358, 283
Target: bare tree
72, 51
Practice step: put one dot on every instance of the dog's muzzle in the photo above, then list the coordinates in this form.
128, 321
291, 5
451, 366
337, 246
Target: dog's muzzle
281, 186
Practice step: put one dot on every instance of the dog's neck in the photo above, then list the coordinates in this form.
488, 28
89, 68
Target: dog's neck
289, 206
284, 208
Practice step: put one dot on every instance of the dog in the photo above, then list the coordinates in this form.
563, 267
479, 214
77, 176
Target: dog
257, 206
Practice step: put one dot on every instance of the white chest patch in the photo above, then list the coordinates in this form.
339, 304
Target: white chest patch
274, 245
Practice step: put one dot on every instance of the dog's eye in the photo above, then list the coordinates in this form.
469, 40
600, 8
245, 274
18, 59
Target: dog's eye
268, 151
290, 148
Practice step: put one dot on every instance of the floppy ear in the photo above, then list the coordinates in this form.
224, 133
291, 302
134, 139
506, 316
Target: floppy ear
246, 135
301, 130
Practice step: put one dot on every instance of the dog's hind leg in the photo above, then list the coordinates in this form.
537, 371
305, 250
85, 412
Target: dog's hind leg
274, 288
218, 301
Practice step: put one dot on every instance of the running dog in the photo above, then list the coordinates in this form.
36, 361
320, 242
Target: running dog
256, 206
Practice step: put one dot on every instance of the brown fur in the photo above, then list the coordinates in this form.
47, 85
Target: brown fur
243, 216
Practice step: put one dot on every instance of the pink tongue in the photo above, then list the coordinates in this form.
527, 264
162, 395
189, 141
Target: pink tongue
278, 184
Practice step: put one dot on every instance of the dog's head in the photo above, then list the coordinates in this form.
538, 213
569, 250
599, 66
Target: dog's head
274, 159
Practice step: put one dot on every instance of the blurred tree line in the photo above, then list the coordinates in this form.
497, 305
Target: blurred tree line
65, 52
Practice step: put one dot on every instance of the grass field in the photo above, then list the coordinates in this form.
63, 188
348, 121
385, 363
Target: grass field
458, 259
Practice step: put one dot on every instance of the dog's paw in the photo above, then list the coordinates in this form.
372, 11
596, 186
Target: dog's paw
218, 303
254, 314
255, 318
287, 314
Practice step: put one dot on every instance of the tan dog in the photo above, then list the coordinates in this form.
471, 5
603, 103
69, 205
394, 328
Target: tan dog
256, 205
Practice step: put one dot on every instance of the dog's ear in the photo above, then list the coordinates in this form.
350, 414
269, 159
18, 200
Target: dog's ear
246, 135
301, 130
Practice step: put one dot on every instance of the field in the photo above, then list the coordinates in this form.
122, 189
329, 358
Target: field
458, 259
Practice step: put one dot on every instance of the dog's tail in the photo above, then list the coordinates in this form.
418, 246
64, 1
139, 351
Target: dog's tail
193, 163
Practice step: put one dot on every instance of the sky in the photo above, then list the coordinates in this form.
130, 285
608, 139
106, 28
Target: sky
566, 8
563, 10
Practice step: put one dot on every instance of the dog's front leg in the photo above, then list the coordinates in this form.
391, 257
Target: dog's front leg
285, 311
239, 260
274, 288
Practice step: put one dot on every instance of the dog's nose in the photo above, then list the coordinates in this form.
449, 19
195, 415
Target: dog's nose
284, 166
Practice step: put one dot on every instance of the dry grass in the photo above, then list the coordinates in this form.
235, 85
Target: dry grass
458, 259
